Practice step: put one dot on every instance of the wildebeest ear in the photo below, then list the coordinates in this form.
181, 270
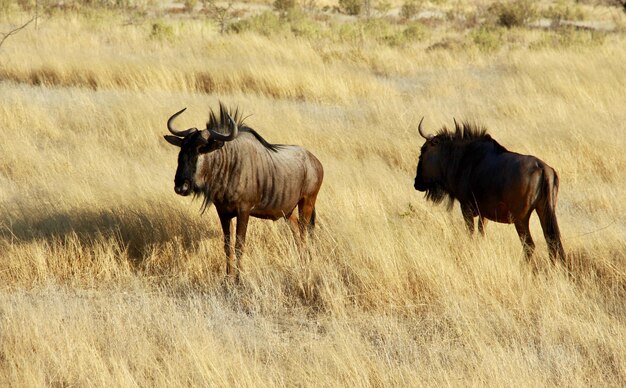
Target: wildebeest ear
173, 140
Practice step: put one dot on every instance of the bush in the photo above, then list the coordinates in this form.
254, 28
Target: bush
284, 6
351, 7
410, 8
161, 31
487, 39
415, 32
301, 25
412, 33
190, 5
513, 14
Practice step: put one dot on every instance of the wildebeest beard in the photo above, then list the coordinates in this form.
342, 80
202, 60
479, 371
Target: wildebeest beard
207, 201
437, 194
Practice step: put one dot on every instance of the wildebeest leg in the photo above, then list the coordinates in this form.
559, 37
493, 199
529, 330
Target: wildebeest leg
242, 227
468, 216
306, 207
482, 224
523, 231
294, 225
546, 210
551, 233
226, 222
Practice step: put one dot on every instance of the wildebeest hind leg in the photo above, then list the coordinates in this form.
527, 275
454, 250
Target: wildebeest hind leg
294, 225
550, 226
523, 231
306, 207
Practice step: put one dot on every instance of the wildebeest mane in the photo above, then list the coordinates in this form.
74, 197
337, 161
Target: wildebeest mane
462, 148
218, 122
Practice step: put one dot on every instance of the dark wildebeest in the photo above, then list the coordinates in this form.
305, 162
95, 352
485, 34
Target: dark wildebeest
243, 175
490, 182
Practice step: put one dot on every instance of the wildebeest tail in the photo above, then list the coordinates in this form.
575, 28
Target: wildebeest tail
547, 212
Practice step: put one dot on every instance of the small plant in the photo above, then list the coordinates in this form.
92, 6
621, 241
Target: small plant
415, 32
190, 5
383, 7
569, 37
284, 6
266, 23
161, 31
515, 13
562, 11
410, 9
487, 39
351, 7
309, 5
221, 14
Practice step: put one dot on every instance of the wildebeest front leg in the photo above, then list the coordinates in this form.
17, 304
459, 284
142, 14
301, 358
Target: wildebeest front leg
482, 223
523, 231
226, 222
242, 227
468, 217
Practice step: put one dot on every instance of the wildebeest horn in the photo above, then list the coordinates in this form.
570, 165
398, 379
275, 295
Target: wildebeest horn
175, 132
421, 130
234, 130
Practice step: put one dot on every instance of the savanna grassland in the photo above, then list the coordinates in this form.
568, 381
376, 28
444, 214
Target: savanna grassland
108, 278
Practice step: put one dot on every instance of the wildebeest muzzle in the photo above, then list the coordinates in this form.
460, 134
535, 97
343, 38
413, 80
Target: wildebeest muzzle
183, 189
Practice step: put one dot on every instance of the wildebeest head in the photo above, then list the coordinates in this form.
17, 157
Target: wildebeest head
431, 167
193, 143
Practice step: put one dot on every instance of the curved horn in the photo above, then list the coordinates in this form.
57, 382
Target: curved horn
421, 130
175, 132
456, 125
234, 130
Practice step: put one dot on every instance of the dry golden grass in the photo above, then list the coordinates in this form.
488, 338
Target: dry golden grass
110, 279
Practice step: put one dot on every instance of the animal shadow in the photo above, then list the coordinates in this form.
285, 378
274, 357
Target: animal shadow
136, 230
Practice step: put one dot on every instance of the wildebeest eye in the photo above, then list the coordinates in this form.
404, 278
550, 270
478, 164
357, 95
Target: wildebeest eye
210, 146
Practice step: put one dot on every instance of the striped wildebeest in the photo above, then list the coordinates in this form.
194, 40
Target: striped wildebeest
243, 175
490, 182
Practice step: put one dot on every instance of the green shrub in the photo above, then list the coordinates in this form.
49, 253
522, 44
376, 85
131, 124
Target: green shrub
161, 31
487, 39
302, 25
348, 32
415, 32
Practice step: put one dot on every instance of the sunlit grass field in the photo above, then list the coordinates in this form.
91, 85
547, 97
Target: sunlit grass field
108, 278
